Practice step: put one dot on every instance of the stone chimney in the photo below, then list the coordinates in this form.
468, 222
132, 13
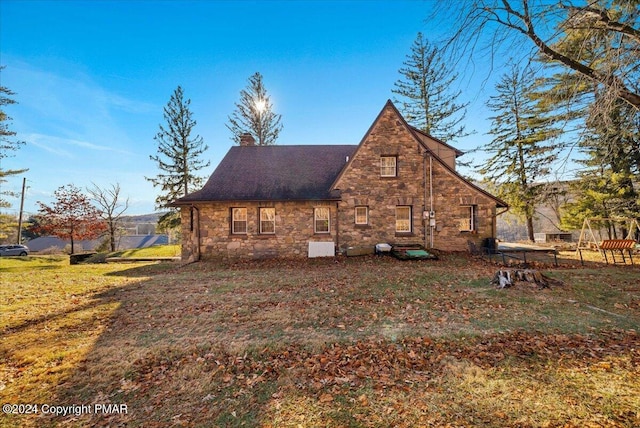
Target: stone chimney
247, 139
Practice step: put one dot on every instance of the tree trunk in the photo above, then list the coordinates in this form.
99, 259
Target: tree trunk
530, 228
112, 239
509, 277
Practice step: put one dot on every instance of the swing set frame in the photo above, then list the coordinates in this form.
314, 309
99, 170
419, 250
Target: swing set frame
588, 240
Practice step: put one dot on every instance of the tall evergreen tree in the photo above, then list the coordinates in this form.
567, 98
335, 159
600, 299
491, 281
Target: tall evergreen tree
8, 143
254, 115
425, 96
520, 158
607, 185
179, 155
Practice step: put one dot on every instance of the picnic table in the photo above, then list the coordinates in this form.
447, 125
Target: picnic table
519, 251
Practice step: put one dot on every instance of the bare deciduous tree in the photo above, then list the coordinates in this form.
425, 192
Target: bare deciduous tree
111, 207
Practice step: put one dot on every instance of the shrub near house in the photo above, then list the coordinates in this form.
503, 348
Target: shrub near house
399, 185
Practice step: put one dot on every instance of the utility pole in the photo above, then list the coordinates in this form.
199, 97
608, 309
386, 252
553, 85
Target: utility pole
24, 182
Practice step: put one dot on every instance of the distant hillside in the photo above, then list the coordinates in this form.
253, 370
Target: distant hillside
144, 224
142, 218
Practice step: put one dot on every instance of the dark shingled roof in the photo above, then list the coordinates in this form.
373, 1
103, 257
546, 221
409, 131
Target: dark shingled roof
282, 173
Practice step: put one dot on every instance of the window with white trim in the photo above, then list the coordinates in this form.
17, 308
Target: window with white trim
362, 215
468, 221
321, 218
239, 221
267, 220
388, 166
403, 219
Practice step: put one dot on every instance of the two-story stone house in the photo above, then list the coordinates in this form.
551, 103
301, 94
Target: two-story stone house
398, 186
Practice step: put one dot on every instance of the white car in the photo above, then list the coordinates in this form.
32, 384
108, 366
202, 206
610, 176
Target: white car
14, 250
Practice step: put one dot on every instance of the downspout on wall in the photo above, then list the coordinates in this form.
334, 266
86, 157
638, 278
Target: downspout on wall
425, 220
337, 227
428, 217
197, 231
432, 219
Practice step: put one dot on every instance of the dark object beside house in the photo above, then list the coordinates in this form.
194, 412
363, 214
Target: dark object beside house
360, 251
411, 252
76, 259
489, 245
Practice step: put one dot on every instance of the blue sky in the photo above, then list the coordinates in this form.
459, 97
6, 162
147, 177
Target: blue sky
92, 77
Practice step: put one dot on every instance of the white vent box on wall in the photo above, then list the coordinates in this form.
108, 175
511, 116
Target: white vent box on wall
322, 249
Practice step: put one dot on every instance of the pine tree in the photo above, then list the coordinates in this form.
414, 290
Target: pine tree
426, 99
254, 115
520, 159
178, 155
178, 152
8, 142
607, 184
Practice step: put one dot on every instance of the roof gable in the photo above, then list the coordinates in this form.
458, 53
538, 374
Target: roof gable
303, 172
257, 173
389, 117
417, 136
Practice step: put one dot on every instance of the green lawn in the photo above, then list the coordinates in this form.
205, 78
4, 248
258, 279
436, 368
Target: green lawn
355, 342
155, 251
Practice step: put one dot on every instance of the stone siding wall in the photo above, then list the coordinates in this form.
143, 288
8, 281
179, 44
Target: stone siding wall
363, 185
294, 228
207, 233
451, 198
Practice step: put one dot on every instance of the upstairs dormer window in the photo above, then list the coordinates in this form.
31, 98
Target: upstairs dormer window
388, 166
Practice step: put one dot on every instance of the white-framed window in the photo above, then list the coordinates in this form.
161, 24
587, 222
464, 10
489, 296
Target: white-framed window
321, 219
403, 219
362, 215
238, 221
388, 166
468, 221
267, 220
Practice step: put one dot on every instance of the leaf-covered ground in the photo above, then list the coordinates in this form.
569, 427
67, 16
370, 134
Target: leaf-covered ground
355, 342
